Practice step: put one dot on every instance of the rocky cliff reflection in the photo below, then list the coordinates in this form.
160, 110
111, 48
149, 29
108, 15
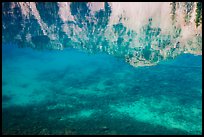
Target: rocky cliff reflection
106, 27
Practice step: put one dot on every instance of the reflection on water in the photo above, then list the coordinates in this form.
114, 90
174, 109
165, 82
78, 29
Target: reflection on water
90, 27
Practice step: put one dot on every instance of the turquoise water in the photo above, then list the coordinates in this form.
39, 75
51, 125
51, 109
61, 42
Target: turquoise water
74, 92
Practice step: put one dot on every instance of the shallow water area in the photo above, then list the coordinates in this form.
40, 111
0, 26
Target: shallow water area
74, 92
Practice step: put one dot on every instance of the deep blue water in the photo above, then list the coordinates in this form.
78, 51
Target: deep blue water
74, 92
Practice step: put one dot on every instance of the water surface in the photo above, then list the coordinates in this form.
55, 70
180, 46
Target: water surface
74, 92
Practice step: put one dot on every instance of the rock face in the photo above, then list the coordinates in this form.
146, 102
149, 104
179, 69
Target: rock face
141, 33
